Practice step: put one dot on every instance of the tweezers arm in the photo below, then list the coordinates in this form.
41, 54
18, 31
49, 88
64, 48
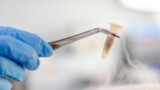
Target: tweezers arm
59, 43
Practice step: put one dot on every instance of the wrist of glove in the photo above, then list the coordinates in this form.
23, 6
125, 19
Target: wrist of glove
19, 50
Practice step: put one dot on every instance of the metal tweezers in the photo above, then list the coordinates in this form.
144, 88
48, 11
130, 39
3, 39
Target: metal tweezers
60, 43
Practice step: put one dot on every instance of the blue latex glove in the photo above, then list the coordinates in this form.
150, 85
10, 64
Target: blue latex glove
19, 50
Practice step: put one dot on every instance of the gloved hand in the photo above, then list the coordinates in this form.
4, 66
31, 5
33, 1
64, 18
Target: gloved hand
19, 50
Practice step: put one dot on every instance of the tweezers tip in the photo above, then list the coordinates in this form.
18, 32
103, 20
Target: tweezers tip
115, 35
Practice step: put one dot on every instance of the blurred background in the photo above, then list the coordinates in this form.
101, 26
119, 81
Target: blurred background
134, 58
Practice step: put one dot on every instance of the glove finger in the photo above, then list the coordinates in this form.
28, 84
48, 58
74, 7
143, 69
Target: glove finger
19, 52
41, 47
5, 84
11, 69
